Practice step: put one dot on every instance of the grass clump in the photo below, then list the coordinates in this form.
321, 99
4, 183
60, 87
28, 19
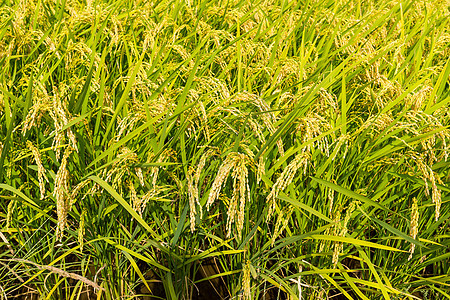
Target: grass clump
211, 149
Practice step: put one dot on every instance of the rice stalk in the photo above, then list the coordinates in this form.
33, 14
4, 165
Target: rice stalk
81, 229
41, 169
414, 225
246, 281
10, 210
428, 175
282, 221
300, 162
60, 118
236, 164
341, 230
61, 193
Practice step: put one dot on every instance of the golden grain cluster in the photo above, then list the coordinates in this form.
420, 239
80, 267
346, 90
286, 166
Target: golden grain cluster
274, 148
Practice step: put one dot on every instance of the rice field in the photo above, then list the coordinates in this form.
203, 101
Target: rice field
211, 149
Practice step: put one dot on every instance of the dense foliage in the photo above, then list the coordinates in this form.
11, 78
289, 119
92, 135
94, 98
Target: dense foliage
215, 149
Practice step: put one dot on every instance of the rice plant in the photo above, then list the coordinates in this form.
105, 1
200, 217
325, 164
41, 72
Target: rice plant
209, 149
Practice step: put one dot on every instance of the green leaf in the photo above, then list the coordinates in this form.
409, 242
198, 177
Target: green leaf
349, 193
132, 212
393, 230
353, 241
